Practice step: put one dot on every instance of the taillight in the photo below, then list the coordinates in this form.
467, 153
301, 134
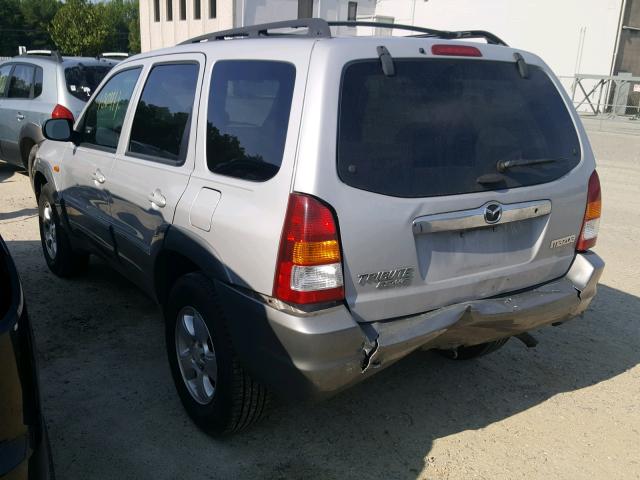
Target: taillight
456, 50
591, 222
61, 112
309, 268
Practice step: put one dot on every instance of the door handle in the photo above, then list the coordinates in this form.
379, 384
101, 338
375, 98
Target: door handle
156, 198
98, 177
19, 116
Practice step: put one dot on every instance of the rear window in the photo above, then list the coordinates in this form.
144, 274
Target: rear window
82, 80
440, 127
248, 116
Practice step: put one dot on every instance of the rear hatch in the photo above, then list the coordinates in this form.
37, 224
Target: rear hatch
450, 179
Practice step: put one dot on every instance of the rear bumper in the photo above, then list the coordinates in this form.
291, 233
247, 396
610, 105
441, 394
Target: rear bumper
316, 355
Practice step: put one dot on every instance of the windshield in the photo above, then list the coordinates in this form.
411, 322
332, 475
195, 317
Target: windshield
439, 125
82, 80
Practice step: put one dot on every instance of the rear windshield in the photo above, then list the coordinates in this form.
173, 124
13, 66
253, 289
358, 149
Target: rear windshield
82, 80
442, 127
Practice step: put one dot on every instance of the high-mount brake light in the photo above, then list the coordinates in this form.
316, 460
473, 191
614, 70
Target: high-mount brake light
591, 222
60, 111
456, 50
309, 268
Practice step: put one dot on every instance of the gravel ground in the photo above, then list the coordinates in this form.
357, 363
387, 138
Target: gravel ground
569, 408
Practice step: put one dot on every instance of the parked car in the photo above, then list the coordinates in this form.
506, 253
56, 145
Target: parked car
24, 445
309, 209
39, 85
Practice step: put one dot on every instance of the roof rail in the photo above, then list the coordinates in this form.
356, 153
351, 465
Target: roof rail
317, 27
52, 54
121, 55
426, 32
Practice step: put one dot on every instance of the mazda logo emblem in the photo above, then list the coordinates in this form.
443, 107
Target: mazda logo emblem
492, 213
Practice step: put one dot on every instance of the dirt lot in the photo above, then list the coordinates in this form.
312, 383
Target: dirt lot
568, 409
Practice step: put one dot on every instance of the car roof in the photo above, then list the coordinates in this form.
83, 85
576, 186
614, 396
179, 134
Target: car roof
64, 61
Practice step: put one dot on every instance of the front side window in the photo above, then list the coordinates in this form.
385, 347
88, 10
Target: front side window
5, 70
21, 82
103, 120
248, 117
161, 123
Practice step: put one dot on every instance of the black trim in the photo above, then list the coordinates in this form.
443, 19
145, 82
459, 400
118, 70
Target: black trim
317, 27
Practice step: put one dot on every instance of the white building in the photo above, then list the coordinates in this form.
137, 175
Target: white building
572, 36
164, 23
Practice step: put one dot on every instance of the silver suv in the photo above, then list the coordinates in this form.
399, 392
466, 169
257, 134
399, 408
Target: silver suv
37, 86
308, 209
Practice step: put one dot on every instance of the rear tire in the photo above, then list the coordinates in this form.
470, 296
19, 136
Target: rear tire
215, 390
474, 351
60, 256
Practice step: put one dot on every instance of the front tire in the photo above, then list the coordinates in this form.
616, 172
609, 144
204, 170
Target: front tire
215, 390
61, 259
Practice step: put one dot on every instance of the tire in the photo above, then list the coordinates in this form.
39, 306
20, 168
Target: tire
228, 399
61, 259
474, 351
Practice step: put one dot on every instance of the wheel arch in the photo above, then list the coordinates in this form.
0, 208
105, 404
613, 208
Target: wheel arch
30, 135
183, 252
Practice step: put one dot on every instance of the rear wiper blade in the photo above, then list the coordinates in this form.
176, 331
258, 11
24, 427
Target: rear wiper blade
504, 165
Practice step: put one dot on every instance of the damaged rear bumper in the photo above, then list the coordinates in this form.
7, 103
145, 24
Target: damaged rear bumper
316, 355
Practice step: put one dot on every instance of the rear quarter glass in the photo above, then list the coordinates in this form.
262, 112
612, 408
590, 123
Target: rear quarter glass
438, 125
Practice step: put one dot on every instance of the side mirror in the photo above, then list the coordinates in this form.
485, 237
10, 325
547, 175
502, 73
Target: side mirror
58, 129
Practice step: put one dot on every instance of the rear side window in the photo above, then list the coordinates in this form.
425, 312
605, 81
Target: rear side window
5, 70
21, 81
82, 80
102, 123
248, 117
161, 123
440, 127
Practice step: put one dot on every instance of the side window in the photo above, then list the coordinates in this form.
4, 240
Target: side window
21, 81
5, 70
104, 117
248, 117
37, 83
160, 125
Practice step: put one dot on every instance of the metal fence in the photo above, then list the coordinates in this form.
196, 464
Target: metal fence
604, 95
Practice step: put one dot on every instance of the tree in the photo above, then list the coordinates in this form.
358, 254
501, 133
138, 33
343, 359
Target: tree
81, 28
36, 16
123, 17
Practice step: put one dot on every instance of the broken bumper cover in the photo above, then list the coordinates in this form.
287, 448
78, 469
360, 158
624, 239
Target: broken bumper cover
316, 355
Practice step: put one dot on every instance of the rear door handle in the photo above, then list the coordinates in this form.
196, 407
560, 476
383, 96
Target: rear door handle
98, 177
19, 116
156, 198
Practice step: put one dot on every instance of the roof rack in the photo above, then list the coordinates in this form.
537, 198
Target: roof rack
52, 54
318, 27
114, 55
426, 32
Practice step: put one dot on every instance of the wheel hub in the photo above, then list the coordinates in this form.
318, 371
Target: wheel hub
49, 231
196, 355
